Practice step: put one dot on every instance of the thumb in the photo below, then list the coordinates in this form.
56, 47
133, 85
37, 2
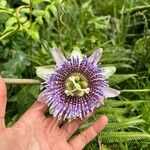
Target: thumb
3, 97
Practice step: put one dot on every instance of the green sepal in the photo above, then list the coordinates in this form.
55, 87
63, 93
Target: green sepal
77, 53
109, 71
44, 71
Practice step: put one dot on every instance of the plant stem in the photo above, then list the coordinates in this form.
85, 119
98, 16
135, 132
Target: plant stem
135, 90
34, 81
21, 81
18, 23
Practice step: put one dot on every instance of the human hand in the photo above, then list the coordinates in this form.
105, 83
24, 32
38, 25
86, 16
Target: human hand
34, 131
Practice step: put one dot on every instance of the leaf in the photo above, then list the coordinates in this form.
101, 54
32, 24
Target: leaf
3, 2
47, 16
34, 32
26, 1
34, 90
24, 98
118, 78
123, 65
35, 2
39, 20
53, 9
10, 24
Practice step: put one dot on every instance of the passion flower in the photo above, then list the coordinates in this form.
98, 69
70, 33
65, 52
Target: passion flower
76, 86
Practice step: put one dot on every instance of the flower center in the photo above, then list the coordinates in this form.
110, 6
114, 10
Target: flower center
76, 85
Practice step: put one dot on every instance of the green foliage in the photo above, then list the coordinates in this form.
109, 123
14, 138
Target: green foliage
123, 136
28, 31
121, 126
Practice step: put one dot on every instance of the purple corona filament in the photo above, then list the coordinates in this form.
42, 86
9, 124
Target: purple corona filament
76, 86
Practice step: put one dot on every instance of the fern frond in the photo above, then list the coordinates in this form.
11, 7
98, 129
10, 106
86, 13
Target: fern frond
114, 118
116, 103
125, 124
110, 110
111, 137
118, 78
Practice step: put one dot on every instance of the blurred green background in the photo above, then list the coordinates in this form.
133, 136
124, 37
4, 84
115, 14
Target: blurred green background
30, 28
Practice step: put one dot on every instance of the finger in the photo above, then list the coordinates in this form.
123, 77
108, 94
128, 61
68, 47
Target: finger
38, 106
91, 132
69, 128
3, 98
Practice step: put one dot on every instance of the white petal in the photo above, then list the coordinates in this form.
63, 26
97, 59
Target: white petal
58, 56
109, 71
43, 96
96, 56
76, 53
110, 92
44, 72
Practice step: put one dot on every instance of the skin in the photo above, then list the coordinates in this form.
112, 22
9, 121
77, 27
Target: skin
34, 131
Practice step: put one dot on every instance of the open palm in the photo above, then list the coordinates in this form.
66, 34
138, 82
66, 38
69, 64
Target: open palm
34, 131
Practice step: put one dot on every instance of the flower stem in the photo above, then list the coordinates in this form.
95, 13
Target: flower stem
135, 90
21, 81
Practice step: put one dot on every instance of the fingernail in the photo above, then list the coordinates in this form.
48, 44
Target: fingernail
105, 118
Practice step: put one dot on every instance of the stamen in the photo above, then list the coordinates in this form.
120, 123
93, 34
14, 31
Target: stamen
76, 85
